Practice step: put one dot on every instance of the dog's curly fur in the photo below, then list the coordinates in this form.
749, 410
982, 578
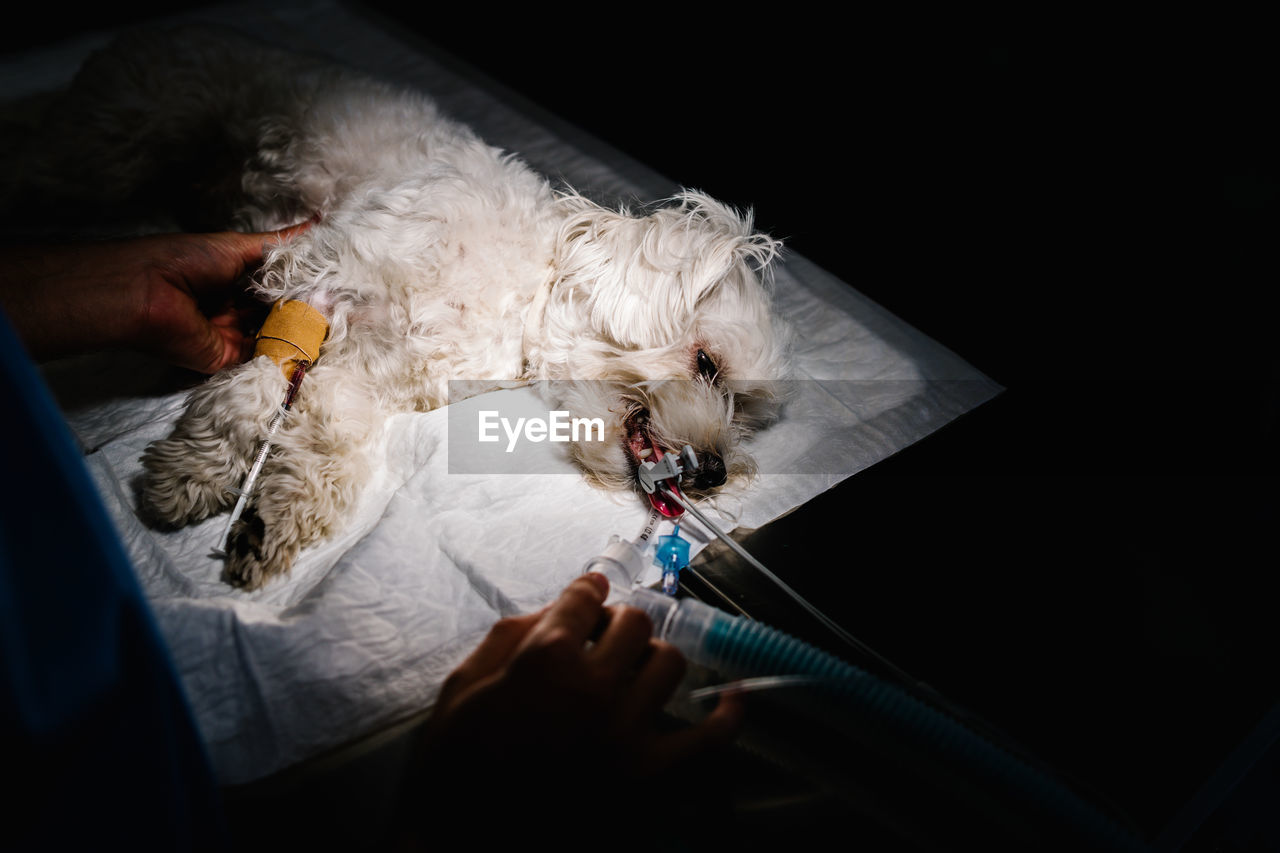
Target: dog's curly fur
434, 257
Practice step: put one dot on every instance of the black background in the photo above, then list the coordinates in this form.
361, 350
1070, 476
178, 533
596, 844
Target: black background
1085, 209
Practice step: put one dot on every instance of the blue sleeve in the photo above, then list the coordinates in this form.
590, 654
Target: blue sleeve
99, 741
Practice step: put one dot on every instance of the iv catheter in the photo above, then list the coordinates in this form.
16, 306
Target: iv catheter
290, 336
260, 458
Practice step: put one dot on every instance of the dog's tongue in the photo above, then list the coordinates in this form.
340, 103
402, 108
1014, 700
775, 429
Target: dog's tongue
659, 501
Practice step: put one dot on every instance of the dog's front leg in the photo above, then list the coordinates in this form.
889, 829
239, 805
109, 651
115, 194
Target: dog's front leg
310, 483
194, 472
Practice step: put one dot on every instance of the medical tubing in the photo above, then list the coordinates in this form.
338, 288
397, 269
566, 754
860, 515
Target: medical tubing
737, 647
827, 621
622, 562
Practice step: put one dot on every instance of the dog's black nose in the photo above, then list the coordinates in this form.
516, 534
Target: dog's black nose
711, 473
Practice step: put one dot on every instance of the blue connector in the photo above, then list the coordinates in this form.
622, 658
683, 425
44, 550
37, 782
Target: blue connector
672, 555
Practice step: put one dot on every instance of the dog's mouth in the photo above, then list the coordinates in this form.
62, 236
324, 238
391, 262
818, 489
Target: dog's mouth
641, 448
639, 440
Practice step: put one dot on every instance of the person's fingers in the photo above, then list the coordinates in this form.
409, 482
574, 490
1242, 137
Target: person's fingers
253, 245
496, 648
657, 679
172, 327
623, 642
724, 723
222, 347
572, 618
600, 581
218, 260
190, 318
231, 322
716, 730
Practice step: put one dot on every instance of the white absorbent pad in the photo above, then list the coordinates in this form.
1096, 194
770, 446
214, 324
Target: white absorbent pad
363, 631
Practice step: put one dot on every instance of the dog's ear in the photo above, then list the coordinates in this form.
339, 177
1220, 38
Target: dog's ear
640, 278
690, 229
746, 245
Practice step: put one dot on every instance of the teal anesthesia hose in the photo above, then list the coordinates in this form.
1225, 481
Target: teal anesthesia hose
736, 647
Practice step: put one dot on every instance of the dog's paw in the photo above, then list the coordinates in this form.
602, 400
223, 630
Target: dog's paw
198, 469
179, 487
257, 553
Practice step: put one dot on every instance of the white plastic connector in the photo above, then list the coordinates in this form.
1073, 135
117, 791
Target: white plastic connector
683, 623
622, 562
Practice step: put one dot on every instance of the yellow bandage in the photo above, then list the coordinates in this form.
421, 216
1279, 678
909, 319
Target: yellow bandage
292, 332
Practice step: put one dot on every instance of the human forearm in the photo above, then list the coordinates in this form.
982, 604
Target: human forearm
64, 300
173, 296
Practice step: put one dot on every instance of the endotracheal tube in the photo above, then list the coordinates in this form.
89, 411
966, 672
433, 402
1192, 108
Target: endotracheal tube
730, 645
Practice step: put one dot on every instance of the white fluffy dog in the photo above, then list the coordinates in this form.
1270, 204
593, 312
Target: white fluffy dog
434, 257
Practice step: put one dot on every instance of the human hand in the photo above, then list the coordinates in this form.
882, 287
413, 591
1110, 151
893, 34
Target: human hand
569, 695
173, 296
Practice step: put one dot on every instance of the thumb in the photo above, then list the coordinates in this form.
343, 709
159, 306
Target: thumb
230, 254
255, 242
497, 648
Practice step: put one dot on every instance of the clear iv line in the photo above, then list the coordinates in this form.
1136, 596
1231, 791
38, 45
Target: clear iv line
260, 457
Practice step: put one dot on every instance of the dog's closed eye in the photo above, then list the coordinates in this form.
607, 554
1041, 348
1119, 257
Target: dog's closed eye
707, 368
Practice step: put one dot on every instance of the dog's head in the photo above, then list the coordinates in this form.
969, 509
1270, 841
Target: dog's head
661, 324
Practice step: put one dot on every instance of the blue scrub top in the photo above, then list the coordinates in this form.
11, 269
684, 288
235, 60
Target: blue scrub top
99, 741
